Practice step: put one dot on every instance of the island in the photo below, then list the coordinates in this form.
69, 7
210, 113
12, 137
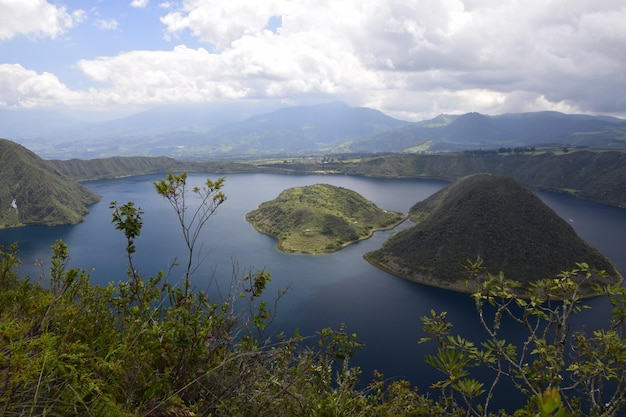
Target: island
497, 220
320, 218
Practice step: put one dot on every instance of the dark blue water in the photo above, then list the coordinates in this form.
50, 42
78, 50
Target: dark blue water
325, 290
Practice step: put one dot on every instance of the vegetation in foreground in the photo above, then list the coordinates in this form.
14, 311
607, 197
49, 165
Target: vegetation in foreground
320, 218
144, 347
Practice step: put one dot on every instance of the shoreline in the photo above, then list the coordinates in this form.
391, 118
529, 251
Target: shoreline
466, 289
280, 247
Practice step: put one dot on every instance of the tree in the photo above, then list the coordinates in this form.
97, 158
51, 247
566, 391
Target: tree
192, 219
559, 371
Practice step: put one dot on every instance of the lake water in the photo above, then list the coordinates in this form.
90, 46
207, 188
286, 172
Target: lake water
325, 290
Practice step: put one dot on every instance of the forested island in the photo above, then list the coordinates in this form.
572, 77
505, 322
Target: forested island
320, 218
494, 219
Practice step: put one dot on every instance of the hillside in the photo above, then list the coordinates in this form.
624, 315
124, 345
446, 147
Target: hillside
489, 217
320, 218
31, 192
125, 166
596, 176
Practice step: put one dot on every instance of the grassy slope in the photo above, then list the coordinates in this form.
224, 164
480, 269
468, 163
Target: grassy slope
491, 217
42, 194
319, 218
596, 176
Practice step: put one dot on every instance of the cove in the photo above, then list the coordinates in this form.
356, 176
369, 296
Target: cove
324, 290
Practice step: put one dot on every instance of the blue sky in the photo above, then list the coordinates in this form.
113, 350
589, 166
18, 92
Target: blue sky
411, 59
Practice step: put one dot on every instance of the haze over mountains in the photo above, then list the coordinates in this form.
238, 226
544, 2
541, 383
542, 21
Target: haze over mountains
221, 131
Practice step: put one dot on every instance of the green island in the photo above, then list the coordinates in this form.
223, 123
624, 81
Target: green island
320, 218
495, 219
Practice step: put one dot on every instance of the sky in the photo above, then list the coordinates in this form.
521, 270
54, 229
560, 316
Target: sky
411, 59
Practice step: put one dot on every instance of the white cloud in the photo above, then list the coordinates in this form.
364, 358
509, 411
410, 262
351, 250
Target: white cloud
414, 59
182, 74
222, 22
139, 3
107, 24
472, 53
20, 87
35, 18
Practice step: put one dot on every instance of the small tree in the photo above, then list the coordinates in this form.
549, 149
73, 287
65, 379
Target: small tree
192, 219
559, 371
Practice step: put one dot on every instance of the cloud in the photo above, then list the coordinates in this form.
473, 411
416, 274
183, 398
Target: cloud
182, 74
20, 87
107, 24
139, 3
220, 23
483, 53
410, 59
35, 18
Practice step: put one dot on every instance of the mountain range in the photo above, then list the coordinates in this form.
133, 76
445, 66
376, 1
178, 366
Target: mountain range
250, 131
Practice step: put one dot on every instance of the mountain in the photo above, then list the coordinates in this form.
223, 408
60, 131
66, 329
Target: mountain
195, 132
31, 192
153, 132
478, 131
320, 218
493, 218
299, 130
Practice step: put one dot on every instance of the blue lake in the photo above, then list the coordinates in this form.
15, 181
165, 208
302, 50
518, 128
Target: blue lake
324, 290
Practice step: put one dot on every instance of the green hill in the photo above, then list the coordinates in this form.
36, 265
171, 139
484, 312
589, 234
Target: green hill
320, 218
31, 192
597, 176
490, 217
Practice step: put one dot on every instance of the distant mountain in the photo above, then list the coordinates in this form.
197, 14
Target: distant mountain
478, 131
301, 130
320, 218
494, 218
31, 192
242, 130
196, 132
